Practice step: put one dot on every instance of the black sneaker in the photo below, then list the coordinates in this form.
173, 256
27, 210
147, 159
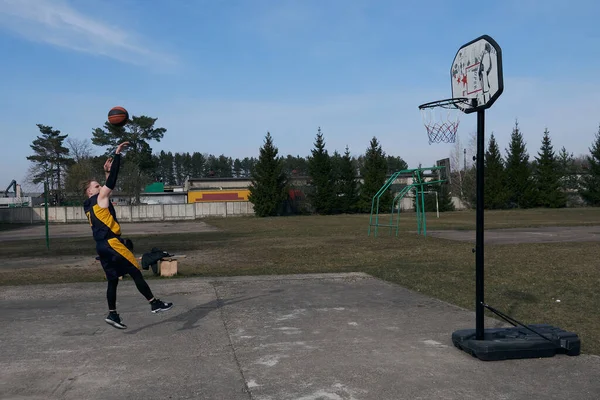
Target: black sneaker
114, 320
160, 306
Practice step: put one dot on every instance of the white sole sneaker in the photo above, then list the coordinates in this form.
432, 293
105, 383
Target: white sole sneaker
115, 324
159, 310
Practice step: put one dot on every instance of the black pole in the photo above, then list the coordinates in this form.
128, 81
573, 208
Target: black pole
479, 311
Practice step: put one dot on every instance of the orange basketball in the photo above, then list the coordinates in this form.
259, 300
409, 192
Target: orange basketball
118, 116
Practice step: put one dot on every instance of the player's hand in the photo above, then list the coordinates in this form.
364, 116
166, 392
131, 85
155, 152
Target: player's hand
107, 165
120, 147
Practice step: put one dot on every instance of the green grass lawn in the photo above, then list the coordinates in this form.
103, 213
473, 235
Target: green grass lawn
522, 280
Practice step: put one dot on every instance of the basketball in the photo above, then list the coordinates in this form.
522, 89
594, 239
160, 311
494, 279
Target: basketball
118, 116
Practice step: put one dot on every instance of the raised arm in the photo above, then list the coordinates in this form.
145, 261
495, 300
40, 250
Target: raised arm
107, 166
111, 180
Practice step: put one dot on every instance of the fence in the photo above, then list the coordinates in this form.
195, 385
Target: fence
140, 213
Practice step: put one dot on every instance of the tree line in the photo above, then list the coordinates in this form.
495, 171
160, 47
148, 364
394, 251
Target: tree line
549, 179
336, 183
332, 186
63, 163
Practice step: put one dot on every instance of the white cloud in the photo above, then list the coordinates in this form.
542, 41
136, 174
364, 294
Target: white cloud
56, 23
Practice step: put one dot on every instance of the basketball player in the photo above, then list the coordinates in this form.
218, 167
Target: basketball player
115, 256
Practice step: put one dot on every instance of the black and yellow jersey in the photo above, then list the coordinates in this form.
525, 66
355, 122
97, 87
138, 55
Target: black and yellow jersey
103, 221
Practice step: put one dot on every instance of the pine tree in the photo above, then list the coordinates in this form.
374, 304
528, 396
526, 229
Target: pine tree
198, 163
296, 166
248, 164
137, 164
374, 177
395, 164
237, 168
268, 188
178, 169
322, 193
348, 184
495, 191
590, 182
567, 171
51, 160
519, 181
166, 168
445, 198
437, 198
547, 176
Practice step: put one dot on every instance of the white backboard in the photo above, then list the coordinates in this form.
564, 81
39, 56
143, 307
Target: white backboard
477, 74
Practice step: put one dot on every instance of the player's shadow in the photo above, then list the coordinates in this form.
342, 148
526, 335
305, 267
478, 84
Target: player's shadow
192, 316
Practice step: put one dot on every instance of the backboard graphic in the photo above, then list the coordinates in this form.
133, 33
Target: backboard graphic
477, 74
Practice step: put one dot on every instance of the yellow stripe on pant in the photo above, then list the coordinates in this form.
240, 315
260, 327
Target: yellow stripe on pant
120, 248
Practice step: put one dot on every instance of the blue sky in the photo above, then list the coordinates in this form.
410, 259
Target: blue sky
219, 74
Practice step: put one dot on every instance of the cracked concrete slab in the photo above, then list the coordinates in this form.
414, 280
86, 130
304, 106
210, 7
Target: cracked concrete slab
301, 337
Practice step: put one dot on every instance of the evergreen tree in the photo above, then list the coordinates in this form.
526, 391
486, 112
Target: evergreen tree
348, 184
442, 201
547, 176
225, 166
198, 163
322, 192
187, 166
445, 198
248, 164
138, 163
567, 171
211, 166
590, 181
336, 174
237, 168
268, 189
519, 181
166, 172
51, 160
179, 169
374, 177
495, 191
360, 162
395, 164
296, 166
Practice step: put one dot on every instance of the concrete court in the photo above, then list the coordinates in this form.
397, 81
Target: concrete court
301, 337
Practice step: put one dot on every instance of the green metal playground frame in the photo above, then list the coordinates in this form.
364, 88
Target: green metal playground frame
418, 184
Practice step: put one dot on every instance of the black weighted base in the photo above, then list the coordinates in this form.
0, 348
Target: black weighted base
518, 342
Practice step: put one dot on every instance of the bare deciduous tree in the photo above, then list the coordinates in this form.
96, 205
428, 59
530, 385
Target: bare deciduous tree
79, 149
462, 166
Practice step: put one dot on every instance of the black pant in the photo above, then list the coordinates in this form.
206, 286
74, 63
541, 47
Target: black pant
140, 283
117, 260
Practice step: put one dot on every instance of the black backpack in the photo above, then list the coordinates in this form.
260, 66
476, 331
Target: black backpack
151, 259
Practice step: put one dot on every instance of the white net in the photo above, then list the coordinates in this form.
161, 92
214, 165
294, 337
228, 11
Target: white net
441, 123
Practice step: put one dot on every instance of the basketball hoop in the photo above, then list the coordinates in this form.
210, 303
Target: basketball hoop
441, 119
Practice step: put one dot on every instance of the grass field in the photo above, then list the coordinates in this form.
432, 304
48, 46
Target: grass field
522, 280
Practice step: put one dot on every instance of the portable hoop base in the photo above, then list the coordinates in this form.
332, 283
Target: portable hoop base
517, 343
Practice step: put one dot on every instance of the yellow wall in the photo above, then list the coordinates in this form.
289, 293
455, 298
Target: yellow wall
198, 196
